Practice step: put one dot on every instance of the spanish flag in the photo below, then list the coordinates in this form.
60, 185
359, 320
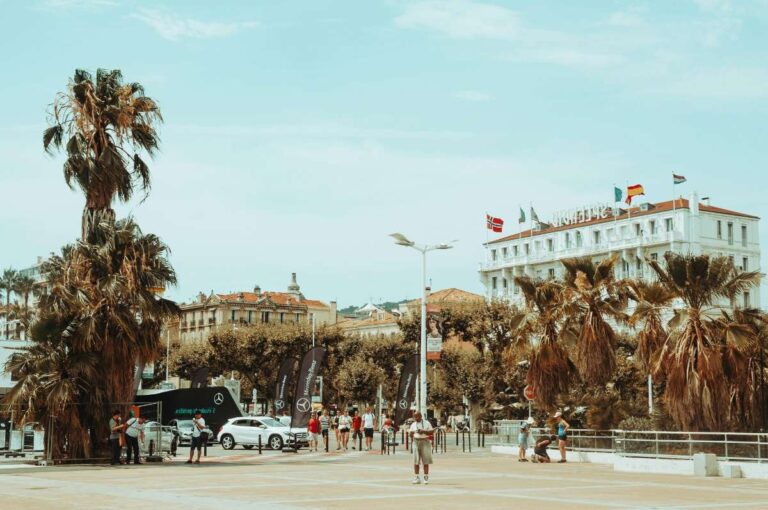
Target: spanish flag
633, 191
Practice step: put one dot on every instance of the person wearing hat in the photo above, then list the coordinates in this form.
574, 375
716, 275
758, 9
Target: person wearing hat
115, 430
562, 434
198, 424
522, 439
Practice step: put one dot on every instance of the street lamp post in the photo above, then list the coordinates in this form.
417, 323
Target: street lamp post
401, 240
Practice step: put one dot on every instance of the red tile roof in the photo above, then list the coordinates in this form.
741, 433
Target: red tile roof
279, 298
451, 295
680, 203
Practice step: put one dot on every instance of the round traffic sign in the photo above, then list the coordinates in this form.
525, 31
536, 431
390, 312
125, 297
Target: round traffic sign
529, 392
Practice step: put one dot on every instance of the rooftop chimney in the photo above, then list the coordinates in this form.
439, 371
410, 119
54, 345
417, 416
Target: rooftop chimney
257, 290
705, 200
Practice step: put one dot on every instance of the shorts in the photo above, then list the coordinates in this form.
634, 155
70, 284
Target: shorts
196, 442
368, 432
422, 452
313, 436
542, 454
563, 437
324, 433
522, 440
343, 429
356, 433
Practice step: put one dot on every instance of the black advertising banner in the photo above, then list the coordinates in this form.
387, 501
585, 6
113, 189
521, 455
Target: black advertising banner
406, 391
215, 402
302, 397
284, 378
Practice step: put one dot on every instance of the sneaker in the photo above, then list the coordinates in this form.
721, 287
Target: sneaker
416, 480
426, 480
525, 460
561, 461
188, 462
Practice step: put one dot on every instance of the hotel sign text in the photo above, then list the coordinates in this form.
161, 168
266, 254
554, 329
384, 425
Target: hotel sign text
581, 214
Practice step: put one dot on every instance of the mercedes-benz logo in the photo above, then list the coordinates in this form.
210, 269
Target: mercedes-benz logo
302, 405
403, 404
218, 399
279, 404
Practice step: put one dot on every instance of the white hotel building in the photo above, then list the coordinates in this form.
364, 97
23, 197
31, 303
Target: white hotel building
646, 231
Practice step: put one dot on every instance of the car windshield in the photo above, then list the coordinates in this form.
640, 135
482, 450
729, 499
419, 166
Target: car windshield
184, 424
269, 422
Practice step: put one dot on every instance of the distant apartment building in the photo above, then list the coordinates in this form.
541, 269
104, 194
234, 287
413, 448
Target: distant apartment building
210, 313
14, 325
644, 232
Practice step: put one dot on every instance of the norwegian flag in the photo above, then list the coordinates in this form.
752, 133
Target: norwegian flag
494, 224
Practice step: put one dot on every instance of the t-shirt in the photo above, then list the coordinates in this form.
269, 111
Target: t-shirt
313, 425
134, 427
356, 422
368, 420
344, 422
325, 422
541, 447
195, 430
421, 429
113, 434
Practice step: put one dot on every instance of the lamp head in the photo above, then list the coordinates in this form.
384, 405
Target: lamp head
401, 239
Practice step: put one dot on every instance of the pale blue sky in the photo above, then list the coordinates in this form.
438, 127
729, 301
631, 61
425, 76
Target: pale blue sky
299, 134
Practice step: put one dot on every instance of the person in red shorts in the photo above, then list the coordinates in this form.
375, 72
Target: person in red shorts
357, 424
314, 429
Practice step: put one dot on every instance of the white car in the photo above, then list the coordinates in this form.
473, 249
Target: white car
247, 430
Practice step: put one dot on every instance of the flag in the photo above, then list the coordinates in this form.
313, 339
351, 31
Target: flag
495, 224
617, 194
302, 397
633, 191
534, 216
522, 216
284, 376
406, 391
678, 179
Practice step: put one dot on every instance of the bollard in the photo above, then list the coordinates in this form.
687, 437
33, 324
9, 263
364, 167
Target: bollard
469, 443
457, 437
407, 439
478, 438
483, 439
327, 439
382, 444
360, 441
205, 449
463, 446
259, 444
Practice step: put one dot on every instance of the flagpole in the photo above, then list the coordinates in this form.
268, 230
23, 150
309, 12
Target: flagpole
530, 213
629, 203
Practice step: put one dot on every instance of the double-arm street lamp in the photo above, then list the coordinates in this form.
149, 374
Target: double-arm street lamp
401, 240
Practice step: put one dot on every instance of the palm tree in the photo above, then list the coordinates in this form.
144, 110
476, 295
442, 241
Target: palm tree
651, 299
590, 295
541, 328
104, 126
8, 285
693, 357
25, 286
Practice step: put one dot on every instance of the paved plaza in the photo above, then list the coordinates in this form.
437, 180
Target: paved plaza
244, 480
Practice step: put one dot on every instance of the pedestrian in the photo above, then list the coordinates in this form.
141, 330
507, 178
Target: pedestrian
198, 437
336, 431
325, 426
357, 423
285, 419
522, 439
562, 435
540, 454
369, 419
345, 422
115, 430
313, 427
134, 432
421, 434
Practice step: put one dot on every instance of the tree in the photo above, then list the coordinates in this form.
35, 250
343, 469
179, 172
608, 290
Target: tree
26, 286
591, 294
692, 357
8, 285
104, 125
651, 300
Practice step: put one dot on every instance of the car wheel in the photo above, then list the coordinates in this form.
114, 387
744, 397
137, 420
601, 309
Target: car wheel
227, 442
276, 442
248, 446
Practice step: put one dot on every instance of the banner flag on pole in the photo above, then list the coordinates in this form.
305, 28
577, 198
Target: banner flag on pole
678, 179
617, 194
634, 191
302, 397
534, 216
494, 224
283, 384
522, 216
406, 391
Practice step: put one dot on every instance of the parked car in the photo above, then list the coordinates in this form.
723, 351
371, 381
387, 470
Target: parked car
157, 438
183, 430
247, 431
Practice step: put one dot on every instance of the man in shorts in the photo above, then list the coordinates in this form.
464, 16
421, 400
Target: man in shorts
357, 424
325, 426
198, 425
314, 429
368, 420
540, 454
421, 433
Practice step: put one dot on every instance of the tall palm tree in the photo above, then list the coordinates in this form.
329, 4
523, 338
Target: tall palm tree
692, 358
541, 328
651, 299
104, 125
25, 286
590, 295
8, 285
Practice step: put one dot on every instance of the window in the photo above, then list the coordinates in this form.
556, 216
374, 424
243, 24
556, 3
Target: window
745, 263
730, 233
609, 234
567, 240
537, 246
493, 255
527, 248
232, 315
746, 299
298, 318
669, 224
493, 283
550, 245
652, 225
504, 283
578, 239
282, 317
639, 265
250, 316
504, 253
551, 273
625, 266
264, 316
638, 230
654, 256
596, 234
719, 229
514, 250
744, 235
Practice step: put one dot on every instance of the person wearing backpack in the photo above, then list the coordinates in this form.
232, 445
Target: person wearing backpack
198, 436
134, 431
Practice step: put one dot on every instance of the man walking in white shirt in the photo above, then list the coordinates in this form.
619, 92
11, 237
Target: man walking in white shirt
421, 433
198, 425
134, 431
368, 420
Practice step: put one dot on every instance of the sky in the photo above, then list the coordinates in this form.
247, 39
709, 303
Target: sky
298, 135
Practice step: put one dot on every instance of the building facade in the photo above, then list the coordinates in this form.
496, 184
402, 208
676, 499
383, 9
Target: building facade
635, 235
209, 313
